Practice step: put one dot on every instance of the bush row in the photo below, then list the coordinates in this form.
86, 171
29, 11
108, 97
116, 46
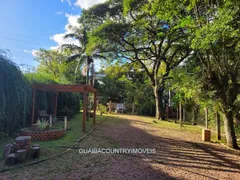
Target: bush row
16, 97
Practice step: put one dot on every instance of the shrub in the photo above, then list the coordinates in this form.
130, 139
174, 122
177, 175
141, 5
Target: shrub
101, 109
15, 96
42, 124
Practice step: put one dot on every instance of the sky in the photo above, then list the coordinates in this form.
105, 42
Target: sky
27, 25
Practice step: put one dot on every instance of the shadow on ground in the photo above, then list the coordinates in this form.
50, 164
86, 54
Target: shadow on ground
179, 155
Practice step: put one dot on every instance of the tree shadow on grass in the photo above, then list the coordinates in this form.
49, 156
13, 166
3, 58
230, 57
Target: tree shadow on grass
193, 157
174, 158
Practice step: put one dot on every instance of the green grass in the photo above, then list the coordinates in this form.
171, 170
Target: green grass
171, 125
186, 127
52, 147
70, 137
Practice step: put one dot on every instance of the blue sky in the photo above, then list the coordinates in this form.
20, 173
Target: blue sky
27, 25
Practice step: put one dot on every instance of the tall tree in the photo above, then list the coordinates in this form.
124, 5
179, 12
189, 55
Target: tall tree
218, 47
128, 30
215, 32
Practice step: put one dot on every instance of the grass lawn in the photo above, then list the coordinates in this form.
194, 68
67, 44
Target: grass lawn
186, 127
52, 147
71, 136
171, 125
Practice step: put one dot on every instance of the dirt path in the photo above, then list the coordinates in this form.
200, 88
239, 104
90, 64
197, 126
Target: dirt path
179, 155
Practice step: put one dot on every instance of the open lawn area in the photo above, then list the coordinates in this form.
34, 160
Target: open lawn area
179, 154
53, 147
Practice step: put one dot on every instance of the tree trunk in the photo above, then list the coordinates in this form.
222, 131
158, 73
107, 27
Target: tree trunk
10, 160
193, 117
229, 130
180, 113
237, 118
177, 113
133, 108
158, 92
218, 126
184, 114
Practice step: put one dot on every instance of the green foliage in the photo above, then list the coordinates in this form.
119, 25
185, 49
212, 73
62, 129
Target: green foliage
101, 109
15, 97
3, 135
138, 35
69, 103
56, 65
42, 124
147, 108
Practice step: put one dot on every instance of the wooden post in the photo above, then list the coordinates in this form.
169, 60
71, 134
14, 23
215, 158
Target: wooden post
55, 104
206, 118
8, 149
84, 111
33, 105
94, 108
218, 126
206, 135
65, 123
50, 121
11, 159
21, 155
35, 152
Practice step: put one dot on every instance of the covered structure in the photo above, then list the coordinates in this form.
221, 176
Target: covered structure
56, 88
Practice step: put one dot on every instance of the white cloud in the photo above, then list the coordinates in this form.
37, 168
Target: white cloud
27, 51
59, 13
59, 38
34, 53
69, 2
85, 4
73, 21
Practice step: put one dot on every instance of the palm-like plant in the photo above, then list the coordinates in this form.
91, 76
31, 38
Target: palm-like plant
78, 55
78, 52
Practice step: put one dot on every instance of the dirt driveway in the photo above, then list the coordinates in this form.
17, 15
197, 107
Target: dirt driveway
179, 155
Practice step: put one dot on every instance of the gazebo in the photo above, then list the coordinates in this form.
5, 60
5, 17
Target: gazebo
56, 88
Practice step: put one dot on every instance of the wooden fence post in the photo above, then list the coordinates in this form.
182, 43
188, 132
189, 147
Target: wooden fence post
65, 123
50, 121
206, 118
94, 108
84, 111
